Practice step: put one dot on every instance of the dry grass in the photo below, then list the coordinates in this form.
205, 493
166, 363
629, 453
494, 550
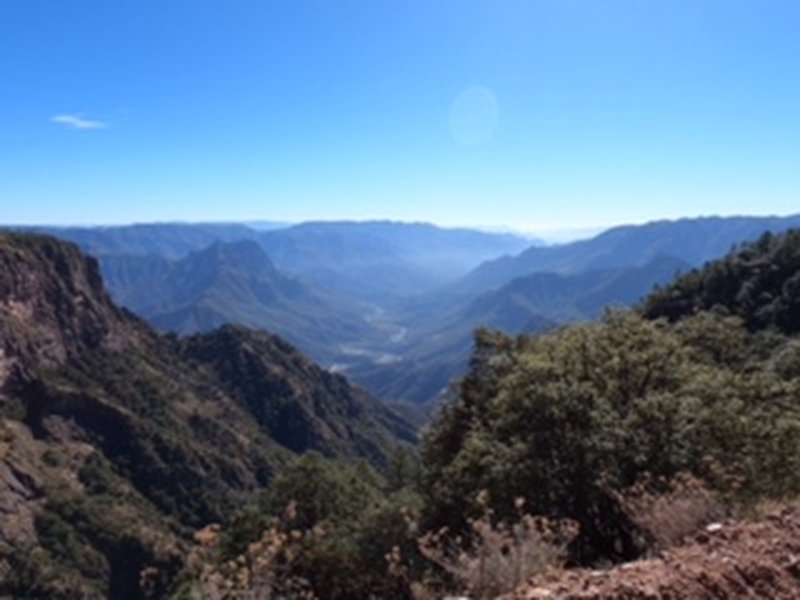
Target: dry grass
668, 517
497, 558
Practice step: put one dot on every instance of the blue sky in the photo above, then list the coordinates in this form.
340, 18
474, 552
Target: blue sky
529, 114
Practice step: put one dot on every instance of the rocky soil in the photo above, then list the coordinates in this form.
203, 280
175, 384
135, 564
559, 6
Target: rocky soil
756, 559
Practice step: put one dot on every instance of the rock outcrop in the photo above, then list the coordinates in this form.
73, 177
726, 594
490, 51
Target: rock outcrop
52, 307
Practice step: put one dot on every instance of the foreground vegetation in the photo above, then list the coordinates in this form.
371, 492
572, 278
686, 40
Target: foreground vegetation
591, 444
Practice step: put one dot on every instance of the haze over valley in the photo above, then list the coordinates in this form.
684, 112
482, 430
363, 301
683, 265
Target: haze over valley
392, 305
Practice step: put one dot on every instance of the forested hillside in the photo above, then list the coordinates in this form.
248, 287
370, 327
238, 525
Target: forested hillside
117, 442
760, 284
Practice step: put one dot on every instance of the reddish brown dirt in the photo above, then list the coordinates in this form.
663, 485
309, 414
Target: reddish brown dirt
758, 560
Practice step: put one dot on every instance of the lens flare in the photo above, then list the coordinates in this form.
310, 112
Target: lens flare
473, 116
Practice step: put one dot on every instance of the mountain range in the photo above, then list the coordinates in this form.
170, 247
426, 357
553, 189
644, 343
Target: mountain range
693, 241
394, 305
233, 282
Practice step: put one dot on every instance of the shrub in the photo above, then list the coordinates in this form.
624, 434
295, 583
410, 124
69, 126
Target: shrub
667, 512
496, 558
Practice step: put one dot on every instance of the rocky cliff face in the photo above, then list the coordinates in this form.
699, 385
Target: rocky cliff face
116, 442
52, 307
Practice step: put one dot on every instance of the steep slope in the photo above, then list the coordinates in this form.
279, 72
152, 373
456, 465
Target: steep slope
693, 241
297, 412
116, 441
760, 283
52, 308
237, 283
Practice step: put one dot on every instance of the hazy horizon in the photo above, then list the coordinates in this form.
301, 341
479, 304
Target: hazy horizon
549, 236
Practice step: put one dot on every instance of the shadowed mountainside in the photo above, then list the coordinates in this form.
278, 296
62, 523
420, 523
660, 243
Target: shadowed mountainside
233, 282
117, 441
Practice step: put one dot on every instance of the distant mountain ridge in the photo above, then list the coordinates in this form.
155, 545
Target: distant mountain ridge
693, 241
550, 285
232, 282
394, 304
416, 243
383, 259
567, 297
372, 259
168, 240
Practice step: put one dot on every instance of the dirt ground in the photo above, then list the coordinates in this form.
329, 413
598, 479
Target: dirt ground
756, 559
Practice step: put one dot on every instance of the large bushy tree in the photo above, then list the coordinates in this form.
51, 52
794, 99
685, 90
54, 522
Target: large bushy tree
567, 418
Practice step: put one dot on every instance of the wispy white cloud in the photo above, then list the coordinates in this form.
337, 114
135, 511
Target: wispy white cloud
77, 122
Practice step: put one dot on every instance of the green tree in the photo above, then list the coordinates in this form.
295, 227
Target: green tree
566, 418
